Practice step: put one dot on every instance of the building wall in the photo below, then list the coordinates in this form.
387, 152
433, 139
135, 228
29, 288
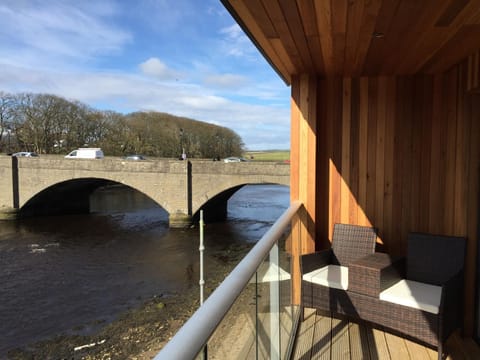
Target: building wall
401, 154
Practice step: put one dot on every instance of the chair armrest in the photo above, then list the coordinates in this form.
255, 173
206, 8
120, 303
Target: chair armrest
317, 260
451, 305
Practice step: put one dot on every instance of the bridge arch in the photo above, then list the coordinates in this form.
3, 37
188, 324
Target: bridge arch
68, 197
215, 199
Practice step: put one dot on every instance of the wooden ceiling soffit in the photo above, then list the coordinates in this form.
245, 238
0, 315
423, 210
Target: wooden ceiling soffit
309, 18
362, 16
401, 34
360, 37
285, 35
378, 49
323, 12
445, 23
464, 43
250, 26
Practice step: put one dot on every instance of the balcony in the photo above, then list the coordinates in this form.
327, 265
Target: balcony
251, 316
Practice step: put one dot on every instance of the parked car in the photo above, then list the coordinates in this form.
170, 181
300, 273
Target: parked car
234, 159
86, 153
135, 157
25, 154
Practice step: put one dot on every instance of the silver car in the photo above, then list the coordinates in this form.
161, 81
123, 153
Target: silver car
25, 154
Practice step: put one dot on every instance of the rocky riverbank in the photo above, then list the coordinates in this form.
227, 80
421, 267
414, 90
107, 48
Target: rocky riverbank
138, 333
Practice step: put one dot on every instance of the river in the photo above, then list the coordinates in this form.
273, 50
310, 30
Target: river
74, 274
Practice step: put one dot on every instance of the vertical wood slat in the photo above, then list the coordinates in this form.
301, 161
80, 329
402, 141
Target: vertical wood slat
363, 149
380, 155
354, 155
472, 212
406, 160
345, 167
371, 149
395, 245
461, 159
323, 163
437, 162
426, 144
388, 218
336, 152
473, 72
450, 141
296, 236
303, 172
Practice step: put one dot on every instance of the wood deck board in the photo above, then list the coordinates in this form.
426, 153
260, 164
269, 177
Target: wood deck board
303, 344
377, 345
322, 337
396, 347
340, 341
417, 351
358, 341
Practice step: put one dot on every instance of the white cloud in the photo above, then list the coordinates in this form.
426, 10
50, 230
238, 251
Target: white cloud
49, 32
156, 68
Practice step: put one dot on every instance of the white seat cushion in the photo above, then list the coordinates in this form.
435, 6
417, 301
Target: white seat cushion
333, 276
414, 294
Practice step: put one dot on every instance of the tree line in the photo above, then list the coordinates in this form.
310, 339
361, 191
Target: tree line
49, 124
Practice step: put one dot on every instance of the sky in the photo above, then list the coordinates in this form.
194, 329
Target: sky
184, 57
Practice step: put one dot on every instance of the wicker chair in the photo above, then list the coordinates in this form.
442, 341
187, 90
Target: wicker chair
325, 273
426, 303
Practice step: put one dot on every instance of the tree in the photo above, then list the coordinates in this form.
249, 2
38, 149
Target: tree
50, 124
7, 104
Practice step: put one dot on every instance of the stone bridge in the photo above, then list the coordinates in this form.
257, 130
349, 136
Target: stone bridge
54, 185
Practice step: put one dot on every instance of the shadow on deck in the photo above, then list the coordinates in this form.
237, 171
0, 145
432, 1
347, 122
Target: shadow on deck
322, 337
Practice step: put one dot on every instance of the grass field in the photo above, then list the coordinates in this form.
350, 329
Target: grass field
270, 155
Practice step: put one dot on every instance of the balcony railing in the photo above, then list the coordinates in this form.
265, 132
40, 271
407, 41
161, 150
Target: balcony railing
250, 315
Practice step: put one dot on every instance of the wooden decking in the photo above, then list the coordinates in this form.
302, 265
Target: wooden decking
321, 337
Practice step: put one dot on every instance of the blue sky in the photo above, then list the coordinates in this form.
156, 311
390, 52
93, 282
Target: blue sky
184, 57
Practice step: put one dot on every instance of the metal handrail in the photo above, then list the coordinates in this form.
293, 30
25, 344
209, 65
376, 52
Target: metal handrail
194, 334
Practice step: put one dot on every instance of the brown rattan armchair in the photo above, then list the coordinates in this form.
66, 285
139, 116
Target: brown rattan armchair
426, 304
325, 273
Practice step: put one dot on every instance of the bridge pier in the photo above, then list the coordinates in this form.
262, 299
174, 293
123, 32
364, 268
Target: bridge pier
179, 220
9, 213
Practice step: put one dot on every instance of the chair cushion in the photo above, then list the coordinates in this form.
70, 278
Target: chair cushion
333, 276
414, 294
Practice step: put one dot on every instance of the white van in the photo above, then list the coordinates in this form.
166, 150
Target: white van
86, 153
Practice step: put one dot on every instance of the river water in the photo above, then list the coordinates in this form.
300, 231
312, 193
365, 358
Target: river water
71, 274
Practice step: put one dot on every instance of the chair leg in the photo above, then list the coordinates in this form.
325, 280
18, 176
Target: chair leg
440, 351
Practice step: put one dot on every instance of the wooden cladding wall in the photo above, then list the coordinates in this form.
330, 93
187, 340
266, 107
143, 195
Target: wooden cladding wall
473, 72
400, 154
